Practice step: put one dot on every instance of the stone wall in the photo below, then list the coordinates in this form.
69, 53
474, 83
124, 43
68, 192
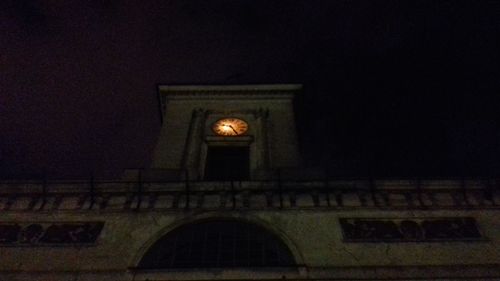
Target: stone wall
336, 230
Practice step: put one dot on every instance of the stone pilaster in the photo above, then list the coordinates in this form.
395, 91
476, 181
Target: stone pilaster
262, 143
194, 141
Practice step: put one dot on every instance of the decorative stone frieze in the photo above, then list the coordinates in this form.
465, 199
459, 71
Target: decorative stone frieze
410, 229
49, 233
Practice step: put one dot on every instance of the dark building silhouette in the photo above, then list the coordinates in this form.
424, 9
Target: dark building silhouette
226, 198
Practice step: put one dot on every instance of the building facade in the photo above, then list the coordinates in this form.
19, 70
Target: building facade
227, 199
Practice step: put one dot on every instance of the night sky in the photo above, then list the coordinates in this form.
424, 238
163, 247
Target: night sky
391, 88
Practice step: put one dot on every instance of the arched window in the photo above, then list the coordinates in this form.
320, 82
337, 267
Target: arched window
221, 243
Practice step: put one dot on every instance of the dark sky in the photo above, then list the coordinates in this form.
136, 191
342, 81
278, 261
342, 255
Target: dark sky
392, 88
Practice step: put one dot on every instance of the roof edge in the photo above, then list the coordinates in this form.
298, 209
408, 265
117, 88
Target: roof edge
223, 88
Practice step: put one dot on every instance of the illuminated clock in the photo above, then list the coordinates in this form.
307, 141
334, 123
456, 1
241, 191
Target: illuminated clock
230, 127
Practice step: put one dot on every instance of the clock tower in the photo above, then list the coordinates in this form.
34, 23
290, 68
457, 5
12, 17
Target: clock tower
227, 132
210, 209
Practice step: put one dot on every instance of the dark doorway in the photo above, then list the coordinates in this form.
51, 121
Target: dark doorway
227, 163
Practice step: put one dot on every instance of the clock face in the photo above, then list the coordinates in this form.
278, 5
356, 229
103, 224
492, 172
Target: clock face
230, 127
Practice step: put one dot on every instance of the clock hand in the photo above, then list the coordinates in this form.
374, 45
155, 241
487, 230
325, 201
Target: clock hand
233, 129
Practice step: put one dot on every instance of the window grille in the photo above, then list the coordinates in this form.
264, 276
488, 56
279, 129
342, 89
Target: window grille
211, 244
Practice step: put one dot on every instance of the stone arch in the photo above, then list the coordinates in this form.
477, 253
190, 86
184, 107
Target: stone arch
218, 242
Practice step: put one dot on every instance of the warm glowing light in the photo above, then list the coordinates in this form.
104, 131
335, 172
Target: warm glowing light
230, 127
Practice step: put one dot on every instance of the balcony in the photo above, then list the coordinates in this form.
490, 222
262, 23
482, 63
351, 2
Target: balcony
167, 190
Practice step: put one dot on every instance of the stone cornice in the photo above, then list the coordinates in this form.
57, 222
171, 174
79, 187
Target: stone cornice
268, 92
187, 92
230, 88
